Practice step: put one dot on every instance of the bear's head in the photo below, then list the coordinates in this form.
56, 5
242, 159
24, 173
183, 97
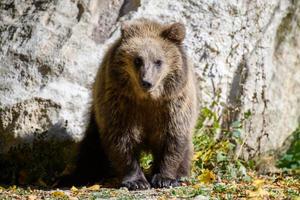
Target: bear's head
153, 58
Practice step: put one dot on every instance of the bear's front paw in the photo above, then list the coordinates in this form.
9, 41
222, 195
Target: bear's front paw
136, 185
158, 181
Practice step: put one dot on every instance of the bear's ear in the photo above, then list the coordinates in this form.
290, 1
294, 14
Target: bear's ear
174, 32
126, 29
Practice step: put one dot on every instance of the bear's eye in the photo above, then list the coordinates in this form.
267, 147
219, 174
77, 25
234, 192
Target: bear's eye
158, 63
138, 62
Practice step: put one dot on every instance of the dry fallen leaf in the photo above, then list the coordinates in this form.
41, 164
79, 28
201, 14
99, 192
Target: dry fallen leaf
94, 188
207, 176
258, 183
259, 192
162, 198
196, 186
58, 194
74, 189
196, 156
184, 184
31, 197
13, 188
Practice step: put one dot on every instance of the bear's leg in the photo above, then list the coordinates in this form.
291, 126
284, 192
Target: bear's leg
135, 178
185, 166
122, 154
167, 164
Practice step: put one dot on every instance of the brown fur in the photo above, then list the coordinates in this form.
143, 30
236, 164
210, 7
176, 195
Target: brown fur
160, 120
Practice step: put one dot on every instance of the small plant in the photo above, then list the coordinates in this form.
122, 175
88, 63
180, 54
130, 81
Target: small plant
216, 148
291, 159
146, 161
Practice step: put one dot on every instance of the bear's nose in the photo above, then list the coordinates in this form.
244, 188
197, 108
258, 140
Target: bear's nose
146, 85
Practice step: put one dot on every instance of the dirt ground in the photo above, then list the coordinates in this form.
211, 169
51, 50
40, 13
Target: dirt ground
259, 187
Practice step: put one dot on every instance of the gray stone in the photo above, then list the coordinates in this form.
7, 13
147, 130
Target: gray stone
50, 51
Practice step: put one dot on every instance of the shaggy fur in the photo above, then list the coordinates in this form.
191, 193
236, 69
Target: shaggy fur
144, 99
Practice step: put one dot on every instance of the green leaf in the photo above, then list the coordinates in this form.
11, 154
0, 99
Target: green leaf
236, 133
221, 157
236, 124
247, 114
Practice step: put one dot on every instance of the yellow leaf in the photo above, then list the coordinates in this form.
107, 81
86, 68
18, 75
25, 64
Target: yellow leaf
113, 194
13, 188
58, 194
94, 188
74, 189
258, 194
196, 155
258, 183
196, 186
207, 176
162, 198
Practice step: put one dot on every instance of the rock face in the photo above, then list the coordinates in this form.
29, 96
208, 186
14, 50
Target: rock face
50, 51
246, 51
49, 55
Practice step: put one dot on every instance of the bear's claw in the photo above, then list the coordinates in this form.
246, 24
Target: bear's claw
158, 181
136, 185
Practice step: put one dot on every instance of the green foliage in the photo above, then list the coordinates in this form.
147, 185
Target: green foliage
291, 159
216, 147
146, 160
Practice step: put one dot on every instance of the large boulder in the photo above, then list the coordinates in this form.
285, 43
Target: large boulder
245, 51
49, 55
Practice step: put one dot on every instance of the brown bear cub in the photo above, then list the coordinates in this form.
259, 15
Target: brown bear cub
144, 99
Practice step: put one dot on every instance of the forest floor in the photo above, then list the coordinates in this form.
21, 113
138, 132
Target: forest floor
258, 187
